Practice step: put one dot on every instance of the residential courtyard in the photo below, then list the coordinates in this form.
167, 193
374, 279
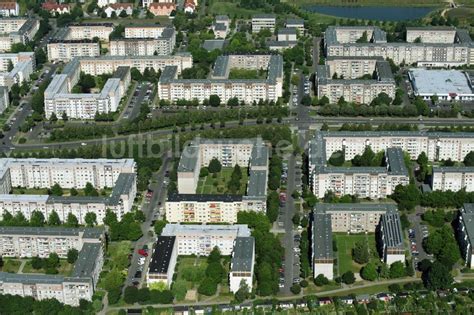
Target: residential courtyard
217, 183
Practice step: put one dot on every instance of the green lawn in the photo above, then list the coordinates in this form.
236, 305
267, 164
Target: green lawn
345, 244
117, 254
190, 271
6, 114
64, 269
44, 191
11, 265
218, 185
230, 7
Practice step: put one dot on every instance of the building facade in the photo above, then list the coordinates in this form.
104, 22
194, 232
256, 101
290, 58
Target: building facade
161, 42
263, 21
465, 233
16, 30
453, 178
65, 50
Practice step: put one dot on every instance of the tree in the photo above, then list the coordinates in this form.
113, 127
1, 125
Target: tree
214, 255
348, 277
72, 220
159, 226
130, 295
90, 219
215, 272
72, 255
243, 292
73, 191
207, 287
321, 280
214, 166
123, 14
337, 158
203, 172
295, 289
53, 219
407, 196
53, 118
37, 218
56, 190
437, 277
469, 159
36, 263
363, 38
140, 216
360, 253
369, 272
90, 191
397, 270
214, 100
64, 117
52, 261
110, 217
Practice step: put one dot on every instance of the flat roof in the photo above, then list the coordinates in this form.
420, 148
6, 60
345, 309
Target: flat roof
241, 230
85, 263
162, 253
204, 198
257, 185
396, 161
356, 207
243, 254
211, 44
322, 236
440, 82
392, 229
51, 231
467, 215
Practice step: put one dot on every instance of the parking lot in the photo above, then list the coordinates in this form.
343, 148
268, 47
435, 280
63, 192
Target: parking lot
416, 235
143, 93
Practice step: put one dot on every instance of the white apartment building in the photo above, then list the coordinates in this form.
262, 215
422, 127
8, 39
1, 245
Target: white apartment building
286, 34
221, 26
58, 98
200, 240
432, 35
68, 173
453, 178
145, 46
65, 50
16, 30
172, 88
354, 217
4, 99
341, 41
9, 8
89, 31
437, 145
350, 84
81, 284
193, 239
295, 23
146, 31
263, 21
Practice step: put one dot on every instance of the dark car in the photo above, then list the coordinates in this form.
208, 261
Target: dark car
138, 274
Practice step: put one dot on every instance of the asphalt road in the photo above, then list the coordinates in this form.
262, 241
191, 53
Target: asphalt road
133, 107
150, 209
415, 219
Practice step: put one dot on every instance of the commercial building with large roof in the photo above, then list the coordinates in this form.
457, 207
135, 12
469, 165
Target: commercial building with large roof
446, 85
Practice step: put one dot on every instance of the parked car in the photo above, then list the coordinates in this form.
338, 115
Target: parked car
143, 252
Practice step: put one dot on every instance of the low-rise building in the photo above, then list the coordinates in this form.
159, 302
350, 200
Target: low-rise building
56, 8
322, 259
33, 241
221, 26
465, 233
118, 8
242, 264
163, 261
15, 30
391, 238
9, 8
162, 9
286, 34
360, 89
453, 178
297, 24
172, 88
263, 21
445, 85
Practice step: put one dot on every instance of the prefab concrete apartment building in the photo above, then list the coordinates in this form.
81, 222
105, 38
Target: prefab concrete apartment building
424, 46
15, 30
200, 240
189, 206
27, 242
68, 173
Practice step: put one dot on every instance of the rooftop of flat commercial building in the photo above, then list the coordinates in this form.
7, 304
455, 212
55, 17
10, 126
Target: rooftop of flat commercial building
52, 231
356, 207
322, 236
243, 254
392, 229
241, 230
162, 252
440, 82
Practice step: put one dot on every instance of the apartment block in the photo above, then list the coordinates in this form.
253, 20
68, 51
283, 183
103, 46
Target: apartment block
89, 31
433, 49
68, 173
9, 8
162, 9
221, 26
322, 255
200, 240
16, 30
59, 99
22, 65
188, 206
354, 217
365, 182
65, 50
193, 239
242, 263
465, 233
453, 178
263, 21
4, 99
32, 241
297, 24
346, 77
172, 88
391, 238
163, 44
437, 145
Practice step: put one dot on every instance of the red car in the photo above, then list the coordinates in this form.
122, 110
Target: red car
143, 252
